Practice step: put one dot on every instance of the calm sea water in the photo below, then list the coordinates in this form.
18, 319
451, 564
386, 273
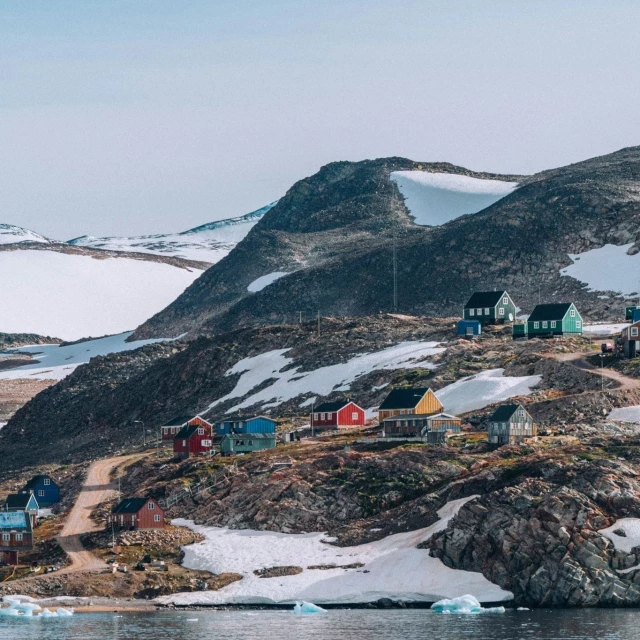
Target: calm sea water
335, 625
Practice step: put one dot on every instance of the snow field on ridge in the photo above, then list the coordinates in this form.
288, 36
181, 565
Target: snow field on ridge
397, 569
73, 296
264, 281
436, 198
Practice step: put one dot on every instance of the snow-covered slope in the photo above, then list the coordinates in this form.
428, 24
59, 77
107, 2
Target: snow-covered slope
436, 198
393, 568
55, 362
71, 296
10, 234
207, 243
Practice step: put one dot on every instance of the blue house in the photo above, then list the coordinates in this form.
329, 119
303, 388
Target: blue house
255, 424
469, 327
44, 489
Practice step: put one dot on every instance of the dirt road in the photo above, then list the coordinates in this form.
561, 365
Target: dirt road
579, 360
97, 488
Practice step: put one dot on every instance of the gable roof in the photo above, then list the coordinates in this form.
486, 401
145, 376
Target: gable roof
550, 311
35, 481
249, 436
178, 421
19, 500
331, 406
245, 419
130, 505
484, 299
187, 432
403, 398
14, 520
504, 412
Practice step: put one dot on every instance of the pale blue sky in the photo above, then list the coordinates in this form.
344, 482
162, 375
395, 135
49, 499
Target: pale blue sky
127, 117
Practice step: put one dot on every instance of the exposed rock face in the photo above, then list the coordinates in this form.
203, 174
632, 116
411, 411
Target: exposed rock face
540, 538
333, 233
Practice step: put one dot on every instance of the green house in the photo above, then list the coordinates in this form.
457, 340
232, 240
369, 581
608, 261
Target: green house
551, 320
490, 307
246, 443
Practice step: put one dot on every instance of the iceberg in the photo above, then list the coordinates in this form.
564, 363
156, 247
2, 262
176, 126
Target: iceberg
307, 607
463, 604
19, 607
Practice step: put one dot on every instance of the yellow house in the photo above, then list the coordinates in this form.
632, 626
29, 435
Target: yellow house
409, 402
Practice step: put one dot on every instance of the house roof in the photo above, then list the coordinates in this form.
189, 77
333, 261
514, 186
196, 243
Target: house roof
14, 520
35, 481
245, 419
187, 432
403, 398
178, 421
421, 416
550, 311
130, 505
484, 299
444, 416
250, 436
504, 412
331, 406
19, 500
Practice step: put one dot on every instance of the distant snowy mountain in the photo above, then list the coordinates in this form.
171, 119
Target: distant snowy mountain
10, 234
207, 243
435, 198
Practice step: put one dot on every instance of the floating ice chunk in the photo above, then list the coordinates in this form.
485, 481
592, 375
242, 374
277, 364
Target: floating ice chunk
64, 612
307, 607
463, 604
523, 609
18, 607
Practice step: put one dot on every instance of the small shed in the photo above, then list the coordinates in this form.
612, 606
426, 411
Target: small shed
469, 328
44, 489
511, 424
193, 440
233, 444
23, 502
628, 312
490, 307
252, 424
343, 413
136, 513
405, 401
630, 338
16, 535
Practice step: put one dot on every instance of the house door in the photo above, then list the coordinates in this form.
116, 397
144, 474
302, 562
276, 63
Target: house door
469, 331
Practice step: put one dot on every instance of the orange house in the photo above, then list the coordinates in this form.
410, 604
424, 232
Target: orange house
400, 402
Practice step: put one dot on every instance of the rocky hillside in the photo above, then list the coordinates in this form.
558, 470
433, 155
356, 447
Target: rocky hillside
333, 235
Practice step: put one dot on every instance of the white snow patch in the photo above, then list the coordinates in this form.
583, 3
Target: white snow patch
10, 234
2, 424
264, 281
626, 414
604, 329
631, 526
436, 198
608, 268
308, 402
55, 362
397, 569
292, 383
74, 296
483, 389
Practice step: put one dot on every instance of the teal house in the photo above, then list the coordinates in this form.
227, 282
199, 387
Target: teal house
559, 319
232, 444
490, 307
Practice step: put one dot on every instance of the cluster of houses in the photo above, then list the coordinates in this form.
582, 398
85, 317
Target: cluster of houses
497, 307
19, 516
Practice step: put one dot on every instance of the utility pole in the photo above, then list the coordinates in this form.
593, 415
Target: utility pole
144, 433
300, 322
602, 371
318, 322
313, 404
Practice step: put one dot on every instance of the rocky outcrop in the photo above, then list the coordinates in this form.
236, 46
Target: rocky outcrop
539, 538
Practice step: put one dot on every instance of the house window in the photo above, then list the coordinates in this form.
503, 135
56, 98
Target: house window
634, 331
479, 312
536, 325
501, 311
472, 312
200, 432
206, 443
250, 443
553, 324
18, 537
156, 518
41, 493
47, 482
578, 324
150, 505
354, 415
505, 300
184, 443
486, 311
572, 313
315, 416
545, 324
329, 416
6, 537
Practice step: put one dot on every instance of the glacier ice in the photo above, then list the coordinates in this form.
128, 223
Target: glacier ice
463, 604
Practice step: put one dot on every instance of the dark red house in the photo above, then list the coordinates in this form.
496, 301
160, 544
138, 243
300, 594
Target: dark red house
171, 429
338, 414
193, 440
136, 513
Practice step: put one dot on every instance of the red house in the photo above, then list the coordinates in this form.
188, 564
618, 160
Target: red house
136, 513
171, 429
338, 414
193, 440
